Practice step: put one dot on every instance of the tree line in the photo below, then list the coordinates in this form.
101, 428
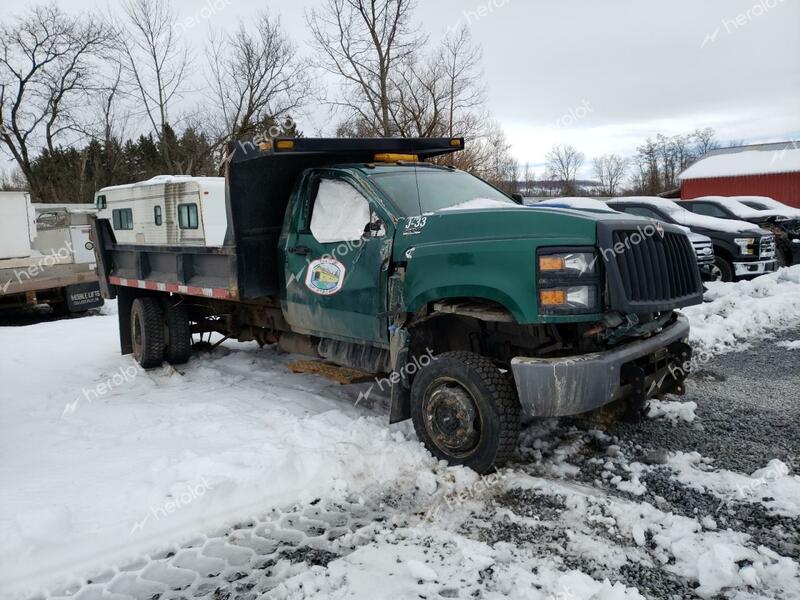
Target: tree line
92, 100
654, 168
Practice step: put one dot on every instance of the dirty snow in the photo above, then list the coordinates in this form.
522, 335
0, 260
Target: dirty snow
773, 485
673, 411
790, 345
736, 312
107, 459
102, 462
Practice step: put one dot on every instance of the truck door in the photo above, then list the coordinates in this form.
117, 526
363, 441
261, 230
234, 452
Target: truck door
336, 258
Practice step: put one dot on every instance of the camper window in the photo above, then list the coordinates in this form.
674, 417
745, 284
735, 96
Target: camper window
122, 218
157, 214
100, 202
187, 216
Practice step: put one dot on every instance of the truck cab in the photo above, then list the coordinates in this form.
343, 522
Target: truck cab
472, 311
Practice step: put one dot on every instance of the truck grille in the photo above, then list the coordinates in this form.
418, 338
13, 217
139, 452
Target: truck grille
656, 271
766, 250
704, 252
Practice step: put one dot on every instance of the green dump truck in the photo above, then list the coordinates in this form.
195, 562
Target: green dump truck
478, 312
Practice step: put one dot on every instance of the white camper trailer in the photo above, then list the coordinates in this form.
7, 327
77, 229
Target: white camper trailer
167, 210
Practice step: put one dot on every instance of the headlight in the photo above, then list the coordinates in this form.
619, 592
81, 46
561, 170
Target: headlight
568, 280
745, 245
568, 299
568, 263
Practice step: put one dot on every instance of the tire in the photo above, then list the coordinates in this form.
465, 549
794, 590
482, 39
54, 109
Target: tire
783, 257
713, 274
147, 332
466, 411
178, 343
725, 268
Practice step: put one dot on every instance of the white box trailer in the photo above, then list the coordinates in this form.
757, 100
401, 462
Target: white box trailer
17, 225
167, 210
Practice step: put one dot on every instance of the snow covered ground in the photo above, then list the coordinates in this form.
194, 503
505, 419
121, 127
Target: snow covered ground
101, 463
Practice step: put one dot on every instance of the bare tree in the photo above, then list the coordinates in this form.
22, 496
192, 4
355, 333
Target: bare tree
529, 176
440, 97
47, 70
563, 163
705, 141
365, 42
463, 80
257, 78
155, 60
610, 171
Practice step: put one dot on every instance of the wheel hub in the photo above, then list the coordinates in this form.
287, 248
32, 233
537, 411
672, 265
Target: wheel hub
450, 417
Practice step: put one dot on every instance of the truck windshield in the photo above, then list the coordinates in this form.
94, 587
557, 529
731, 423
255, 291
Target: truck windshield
431, 190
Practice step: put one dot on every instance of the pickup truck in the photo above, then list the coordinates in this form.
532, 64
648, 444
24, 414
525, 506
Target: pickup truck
783, 223
482, 312
46, 256
741, 249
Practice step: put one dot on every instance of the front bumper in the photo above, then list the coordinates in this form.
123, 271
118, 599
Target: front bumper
554, 387
755, 268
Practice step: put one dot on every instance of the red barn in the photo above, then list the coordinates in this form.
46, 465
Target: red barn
761, 170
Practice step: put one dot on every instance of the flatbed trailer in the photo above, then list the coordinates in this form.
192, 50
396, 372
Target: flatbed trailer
364, 254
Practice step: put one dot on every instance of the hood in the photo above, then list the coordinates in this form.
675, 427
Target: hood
695, 221
457, 226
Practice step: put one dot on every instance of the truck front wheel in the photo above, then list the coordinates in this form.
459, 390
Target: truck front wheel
466, 411
147, 332
725, 269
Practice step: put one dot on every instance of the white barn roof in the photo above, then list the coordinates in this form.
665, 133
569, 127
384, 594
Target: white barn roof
751, 162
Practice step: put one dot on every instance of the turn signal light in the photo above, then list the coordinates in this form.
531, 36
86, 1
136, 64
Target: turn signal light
285, 144
551, 263
553, 297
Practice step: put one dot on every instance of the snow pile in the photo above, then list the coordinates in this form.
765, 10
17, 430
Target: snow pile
716, 560
427, 562
480, 204
576, 202
109, 461
672, 411
738, 311
793, 345
773, 486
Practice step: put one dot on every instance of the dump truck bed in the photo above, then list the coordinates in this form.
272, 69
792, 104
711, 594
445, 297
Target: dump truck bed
259, 184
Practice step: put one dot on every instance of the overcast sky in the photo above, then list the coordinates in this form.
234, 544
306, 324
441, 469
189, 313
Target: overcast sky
599, 75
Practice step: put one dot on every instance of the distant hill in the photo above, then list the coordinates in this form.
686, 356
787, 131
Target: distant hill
585, 187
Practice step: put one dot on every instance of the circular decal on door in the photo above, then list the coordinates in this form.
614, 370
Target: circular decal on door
325, 276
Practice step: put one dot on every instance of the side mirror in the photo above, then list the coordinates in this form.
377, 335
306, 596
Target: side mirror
374, 228
518, 198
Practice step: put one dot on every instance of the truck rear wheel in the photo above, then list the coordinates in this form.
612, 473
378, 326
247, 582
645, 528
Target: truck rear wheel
147, 332
178, 346
466, 411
